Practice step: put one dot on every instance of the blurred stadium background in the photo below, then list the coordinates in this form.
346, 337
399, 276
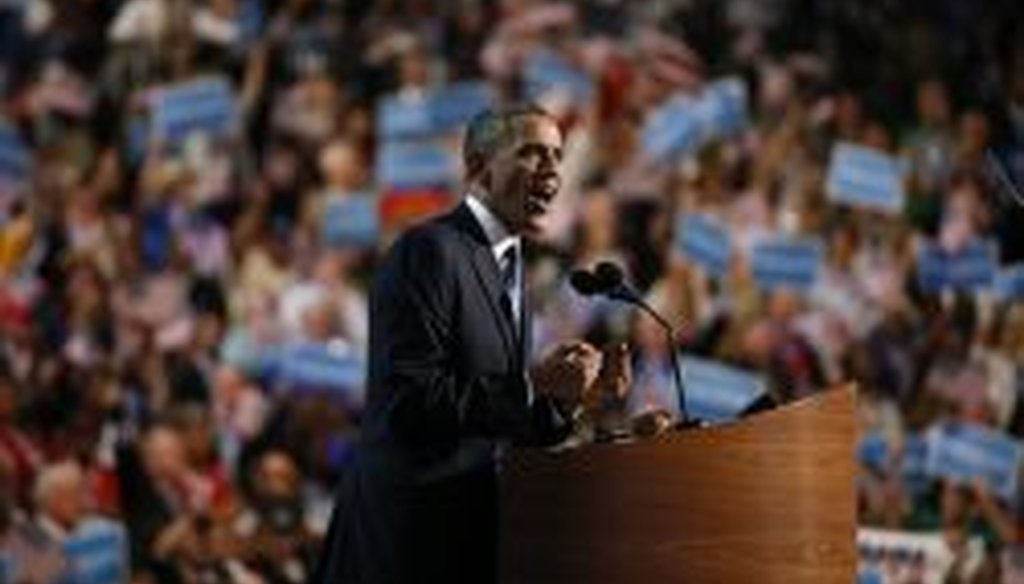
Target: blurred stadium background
193, 194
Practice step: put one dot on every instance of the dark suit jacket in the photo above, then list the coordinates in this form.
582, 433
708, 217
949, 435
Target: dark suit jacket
447, 387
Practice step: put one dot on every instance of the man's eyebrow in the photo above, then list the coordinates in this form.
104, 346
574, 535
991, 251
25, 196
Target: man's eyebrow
530, 146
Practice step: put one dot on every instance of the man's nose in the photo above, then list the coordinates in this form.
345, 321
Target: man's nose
548, 161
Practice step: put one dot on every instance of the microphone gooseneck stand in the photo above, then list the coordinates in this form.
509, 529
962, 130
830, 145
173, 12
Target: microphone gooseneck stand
607, 280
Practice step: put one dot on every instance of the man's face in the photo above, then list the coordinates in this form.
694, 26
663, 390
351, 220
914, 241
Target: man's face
523, 176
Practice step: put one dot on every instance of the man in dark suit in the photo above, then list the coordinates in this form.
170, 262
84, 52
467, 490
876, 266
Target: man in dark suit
448, 381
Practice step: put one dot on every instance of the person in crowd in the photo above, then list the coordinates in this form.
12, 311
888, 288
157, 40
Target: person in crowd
29, 556
282, 545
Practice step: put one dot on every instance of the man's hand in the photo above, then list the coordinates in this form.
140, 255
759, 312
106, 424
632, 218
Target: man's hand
567, 373
613, 381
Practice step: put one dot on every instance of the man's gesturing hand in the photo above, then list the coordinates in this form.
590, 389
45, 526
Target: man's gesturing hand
567, 372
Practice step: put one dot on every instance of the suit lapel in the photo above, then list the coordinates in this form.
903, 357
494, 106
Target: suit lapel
526, 324
485, 269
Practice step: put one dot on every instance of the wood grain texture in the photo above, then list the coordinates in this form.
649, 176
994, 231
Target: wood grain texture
766, 499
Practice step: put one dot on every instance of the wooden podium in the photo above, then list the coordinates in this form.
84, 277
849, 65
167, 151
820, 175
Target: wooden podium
766, 499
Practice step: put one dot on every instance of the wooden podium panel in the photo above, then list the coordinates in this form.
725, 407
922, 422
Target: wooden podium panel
766, 499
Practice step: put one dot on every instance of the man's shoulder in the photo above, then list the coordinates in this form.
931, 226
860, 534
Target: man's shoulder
434, 234
433, 246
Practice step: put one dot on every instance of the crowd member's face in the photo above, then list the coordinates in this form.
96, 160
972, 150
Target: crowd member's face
278, 476
65, 503
341, 166
522, 177
932, 103
974, 132
165, 454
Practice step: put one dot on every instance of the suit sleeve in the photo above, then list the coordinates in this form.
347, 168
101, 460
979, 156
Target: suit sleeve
425, 401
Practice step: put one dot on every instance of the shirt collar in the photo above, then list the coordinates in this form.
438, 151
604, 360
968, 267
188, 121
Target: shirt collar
497, 234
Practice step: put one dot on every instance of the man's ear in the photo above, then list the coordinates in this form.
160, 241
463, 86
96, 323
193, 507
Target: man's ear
478, 172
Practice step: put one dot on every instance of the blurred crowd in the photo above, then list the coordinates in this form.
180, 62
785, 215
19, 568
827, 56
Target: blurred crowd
140, 280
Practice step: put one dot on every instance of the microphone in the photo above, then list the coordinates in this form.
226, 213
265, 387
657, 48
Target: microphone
608, 280
583, 282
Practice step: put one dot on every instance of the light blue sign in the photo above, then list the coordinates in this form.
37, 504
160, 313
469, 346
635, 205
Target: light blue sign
870, 576
404, 117
671, 130
914, 463
961, 452
317, 366
704, 241
684, 123
873, 451
716, 392
15, 162
865, 177
205, 105
722, 109
351, 220
1010, 283
454, 105
971, 268
786, 262
250, 20
546, 71
97, 553
410, 165
432, 113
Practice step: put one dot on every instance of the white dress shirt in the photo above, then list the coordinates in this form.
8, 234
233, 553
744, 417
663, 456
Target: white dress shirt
501, 240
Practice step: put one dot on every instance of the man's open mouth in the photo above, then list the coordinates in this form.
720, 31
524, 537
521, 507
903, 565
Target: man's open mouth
542, 192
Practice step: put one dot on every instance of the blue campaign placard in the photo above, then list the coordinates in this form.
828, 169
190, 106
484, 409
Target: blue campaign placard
204, 105
15, 162
914, 463
546, 71
400, 116
1010, 282
873, 451
250, 20
717, 392
870, 576
705, 241
415, 165
914, 460
97, 553
684, 123
318, 366
454, 105
427, 115
972, 267
671, 130
962, 451
722, 108
351, 220
865, 177
787, 262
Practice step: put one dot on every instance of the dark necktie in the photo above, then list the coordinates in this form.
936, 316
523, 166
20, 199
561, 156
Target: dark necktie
512, 302
509, 268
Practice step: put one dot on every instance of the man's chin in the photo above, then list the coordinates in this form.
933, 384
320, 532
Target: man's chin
535, 226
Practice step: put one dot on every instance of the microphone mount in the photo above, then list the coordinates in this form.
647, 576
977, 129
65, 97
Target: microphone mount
608, 280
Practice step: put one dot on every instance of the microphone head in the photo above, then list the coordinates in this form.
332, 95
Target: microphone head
608, 275
583, 282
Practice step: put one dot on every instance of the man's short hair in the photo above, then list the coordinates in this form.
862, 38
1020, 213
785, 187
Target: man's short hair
54, 476
490, 128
